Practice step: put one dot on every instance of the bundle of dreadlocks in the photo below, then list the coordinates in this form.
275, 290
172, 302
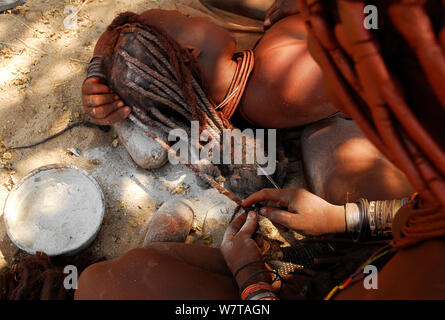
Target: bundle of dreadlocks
161, 81
162, 84
399, 114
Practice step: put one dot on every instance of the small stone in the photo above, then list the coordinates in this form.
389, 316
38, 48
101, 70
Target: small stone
74, 151
7, 156
115, 143
146, 152
207, 240
7, 166
196, 228
95, 162
133, 224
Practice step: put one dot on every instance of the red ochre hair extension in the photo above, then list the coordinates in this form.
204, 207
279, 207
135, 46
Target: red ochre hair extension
391, 82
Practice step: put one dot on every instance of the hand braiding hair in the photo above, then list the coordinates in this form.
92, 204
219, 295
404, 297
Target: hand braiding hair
388, 80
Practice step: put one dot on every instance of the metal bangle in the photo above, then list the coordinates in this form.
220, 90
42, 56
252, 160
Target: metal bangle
364, 219
96, 56
352, 218
260, 294
372, 218
96, 75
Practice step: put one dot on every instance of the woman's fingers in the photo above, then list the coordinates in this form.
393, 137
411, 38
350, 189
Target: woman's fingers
101, 104
279, 10
234, 227
274, 17
95, 86
249, 226
279, 195
96, 100
278, 216
118, 115
272, 10
104, 111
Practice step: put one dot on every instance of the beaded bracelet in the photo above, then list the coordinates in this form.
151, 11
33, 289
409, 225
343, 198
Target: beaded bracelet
258, 291
277, 276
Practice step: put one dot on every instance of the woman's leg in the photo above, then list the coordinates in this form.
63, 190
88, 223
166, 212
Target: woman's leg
147, 273
162, 270
341, 165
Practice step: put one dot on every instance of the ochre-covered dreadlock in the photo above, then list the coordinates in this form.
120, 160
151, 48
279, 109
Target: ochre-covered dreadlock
391, 82
157, 78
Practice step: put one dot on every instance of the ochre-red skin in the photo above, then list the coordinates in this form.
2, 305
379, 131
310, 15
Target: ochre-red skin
160, 271
341, 165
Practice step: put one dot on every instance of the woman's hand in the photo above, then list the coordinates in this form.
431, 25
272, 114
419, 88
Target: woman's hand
279, 10
101, 103
238, 248
305, 212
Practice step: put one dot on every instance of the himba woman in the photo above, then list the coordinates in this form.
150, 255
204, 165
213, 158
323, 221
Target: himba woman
389, 81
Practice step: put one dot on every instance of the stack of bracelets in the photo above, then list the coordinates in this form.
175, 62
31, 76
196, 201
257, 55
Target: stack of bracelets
371, 219
95, 68
259, 290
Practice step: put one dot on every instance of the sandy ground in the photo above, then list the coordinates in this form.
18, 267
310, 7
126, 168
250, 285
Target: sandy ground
42, 67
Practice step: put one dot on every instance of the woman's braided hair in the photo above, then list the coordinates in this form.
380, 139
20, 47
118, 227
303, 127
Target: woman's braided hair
390, 80
161, 83
157, 78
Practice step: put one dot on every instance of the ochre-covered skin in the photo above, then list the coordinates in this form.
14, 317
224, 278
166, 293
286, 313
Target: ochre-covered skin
281, 54
413, 273
341, 165
160, 271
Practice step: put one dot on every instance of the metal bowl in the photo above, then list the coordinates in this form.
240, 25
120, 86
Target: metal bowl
57, 209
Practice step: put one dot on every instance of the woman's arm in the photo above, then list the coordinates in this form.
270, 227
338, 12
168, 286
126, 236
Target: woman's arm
310, 215
304, 212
